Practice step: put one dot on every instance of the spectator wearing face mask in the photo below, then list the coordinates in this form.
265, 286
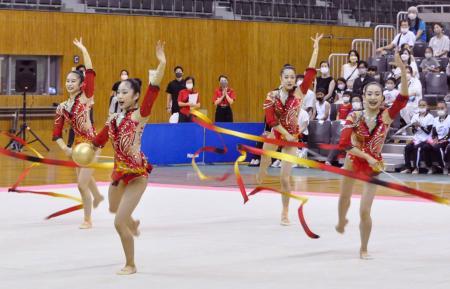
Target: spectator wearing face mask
113, 103
390, 92
309, 101
362, 79
341, 87
326, 81
408, 60
173, 89
322, 106
438, 146
417, 25
349, 70
415, 95
346, 107
429, 63
188, 98
422, 123
440, 43
357, 104
372, 71
405, 36
224, 97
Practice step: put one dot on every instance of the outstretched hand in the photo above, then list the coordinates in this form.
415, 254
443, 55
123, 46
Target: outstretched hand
160, 55
79, 43
317, 39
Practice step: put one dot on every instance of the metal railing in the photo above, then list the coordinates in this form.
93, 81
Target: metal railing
336, 60
365, 48
383, 35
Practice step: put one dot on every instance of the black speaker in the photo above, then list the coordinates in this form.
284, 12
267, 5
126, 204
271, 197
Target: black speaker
26, 75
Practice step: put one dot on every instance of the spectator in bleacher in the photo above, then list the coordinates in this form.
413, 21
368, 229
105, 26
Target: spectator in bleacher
429, 63
408, 60
326, 81
415, 95
341, 87
309, 101
113, 102
440, 42
405, 36
188, 98
422, 123
323, 107
372, 71
346, 107
363, 78
173, 89
417, 25
390, 92
438, 147
349, 70
224, 97
357, 103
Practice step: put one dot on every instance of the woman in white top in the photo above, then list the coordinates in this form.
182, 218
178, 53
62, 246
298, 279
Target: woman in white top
440, 42
422, 123
350, 70
408, 60
323, 107
415, 95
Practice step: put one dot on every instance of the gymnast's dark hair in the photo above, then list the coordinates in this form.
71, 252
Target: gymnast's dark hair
80, 75
287, 67
135, 84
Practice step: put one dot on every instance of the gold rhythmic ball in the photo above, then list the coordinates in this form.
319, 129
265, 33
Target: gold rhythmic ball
83, 154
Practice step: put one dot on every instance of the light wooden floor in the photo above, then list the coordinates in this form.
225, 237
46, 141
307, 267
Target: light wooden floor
303, 180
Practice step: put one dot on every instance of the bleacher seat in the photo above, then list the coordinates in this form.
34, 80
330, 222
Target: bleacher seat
319, 132
188, 6
208, 6
125, 4
336, 128
436, 83
136, 4
380, 62
443, 62
199, 6
333, 111
146, 4
419, 49
157, 5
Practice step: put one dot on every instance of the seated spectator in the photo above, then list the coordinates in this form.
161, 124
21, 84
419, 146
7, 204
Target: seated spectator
429, 63
357, 103
417, 25
422, 123
408, 60
372, 71
224, 97
309, 101
362, 79
188, 98
440, 42
438, 148
349, 70
341, 87
390, 92
323, 107
415, 95
346, 107
405, 36
326, 81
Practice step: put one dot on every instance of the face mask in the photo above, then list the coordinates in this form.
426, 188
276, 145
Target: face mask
404, 30
428, 55
324, 70
353, 58
178, 74
319, 99
362, 71
390, 86
341, 86
189, 86
404, 57
422, 110
412, 16
441, 112
356, 106
346, 99
299, 82
124, 77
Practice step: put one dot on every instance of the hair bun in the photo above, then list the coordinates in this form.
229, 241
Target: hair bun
138, 81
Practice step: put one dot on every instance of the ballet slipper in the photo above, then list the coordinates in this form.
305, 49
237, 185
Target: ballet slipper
127, 270
86, 225
285, 219
364, 255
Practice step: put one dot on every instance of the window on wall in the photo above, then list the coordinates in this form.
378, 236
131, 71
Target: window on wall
46, 71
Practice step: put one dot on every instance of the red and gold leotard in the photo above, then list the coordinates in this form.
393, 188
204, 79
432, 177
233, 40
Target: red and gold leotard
76, 113
356, 133
126, 134
287, 114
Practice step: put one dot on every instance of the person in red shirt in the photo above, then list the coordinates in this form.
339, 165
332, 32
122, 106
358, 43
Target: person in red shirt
363, 137
131, 168
188, 98
281, 108
346, 107
75, 111
224, 97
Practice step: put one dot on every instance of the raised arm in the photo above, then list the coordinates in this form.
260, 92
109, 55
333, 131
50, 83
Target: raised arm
402, 99
155, 80
316, 40
89, 78
86, 57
